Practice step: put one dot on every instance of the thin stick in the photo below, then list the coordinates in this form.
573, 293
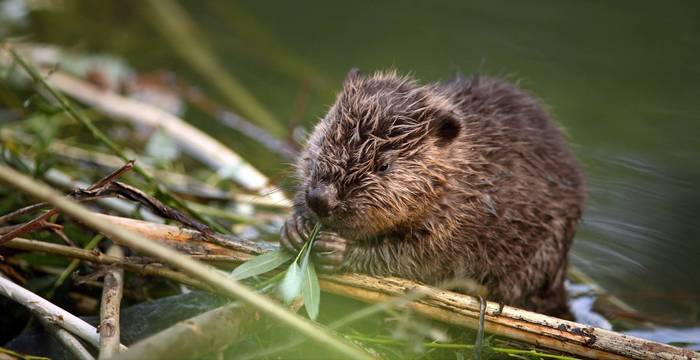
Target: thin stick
50, 312
25, 210
68, 340
72, 266
109, 308
220, 281
38, 221
99, 258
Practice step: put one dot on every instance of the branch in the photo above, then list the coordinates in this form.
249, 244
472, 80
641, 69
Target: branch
124, 191
99, 258
40, 220
68, 340
197, 336
446, 306
72, 266
220, 281
50, 312
190, 241
109, 307
19, 212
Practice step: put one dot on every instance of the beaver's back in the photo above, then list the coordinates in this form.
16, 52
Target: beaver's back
533, 186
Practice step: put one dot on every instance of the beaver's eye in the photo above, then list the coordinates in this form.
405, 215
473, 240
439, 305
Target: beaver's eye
383, 168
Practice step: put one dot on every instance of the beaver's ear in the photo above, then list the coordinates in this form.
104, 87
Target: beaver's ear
445, 127
352, 76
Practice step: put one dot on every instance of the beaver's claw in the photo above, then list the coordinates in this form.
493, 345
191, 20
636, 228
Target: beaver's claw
329, 251
329, 248
294, 233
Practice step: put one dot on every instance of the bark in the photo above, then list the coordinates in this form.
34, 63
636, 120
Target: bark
443, 305
112, 291
51, 313
203, 334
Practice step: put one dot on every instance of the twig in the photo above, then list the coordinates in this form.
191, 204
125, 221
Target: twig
39, 221
58, 231
480, 330
52, 313
220, 281
109, 187
68, 340
191, 139
72, 266
109, 308
19, 212
64, 181
99, 258
128, 192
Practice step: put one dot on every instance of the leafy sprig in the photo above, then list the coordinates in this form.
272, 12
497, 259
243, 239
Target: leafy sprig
300, 277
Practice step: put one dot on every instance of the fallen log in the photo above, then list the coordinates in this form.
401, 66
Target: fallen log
443, 305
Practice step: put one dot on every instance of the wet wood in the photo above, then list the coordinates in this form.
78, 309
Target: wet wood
443, 305
112, 291
100, 258
203, 334
48, 311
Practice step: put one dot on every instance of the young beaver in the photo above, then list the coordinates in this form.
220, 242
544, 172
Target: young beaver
467, 179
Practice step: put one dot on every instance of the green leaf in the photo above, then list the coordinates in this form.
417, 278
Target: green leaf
261, 264
298, 277
291, 284
311, 291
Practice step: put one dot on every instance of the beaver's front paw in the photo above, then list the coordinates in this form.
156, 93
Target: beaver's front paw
294, 233
329, 251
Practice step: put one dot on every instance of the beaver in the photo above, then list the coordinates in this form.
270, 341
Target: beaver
468, 178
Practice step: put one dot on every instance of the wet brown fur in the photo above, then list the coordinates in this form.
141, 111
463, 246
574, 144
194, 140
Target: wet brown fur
481, 185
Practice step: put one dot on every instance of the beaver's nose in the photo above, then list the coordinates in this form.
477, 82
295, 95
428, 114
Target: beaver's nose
322, 199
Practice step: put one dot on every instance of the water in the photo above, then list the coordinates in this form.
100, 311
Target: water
622, 78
